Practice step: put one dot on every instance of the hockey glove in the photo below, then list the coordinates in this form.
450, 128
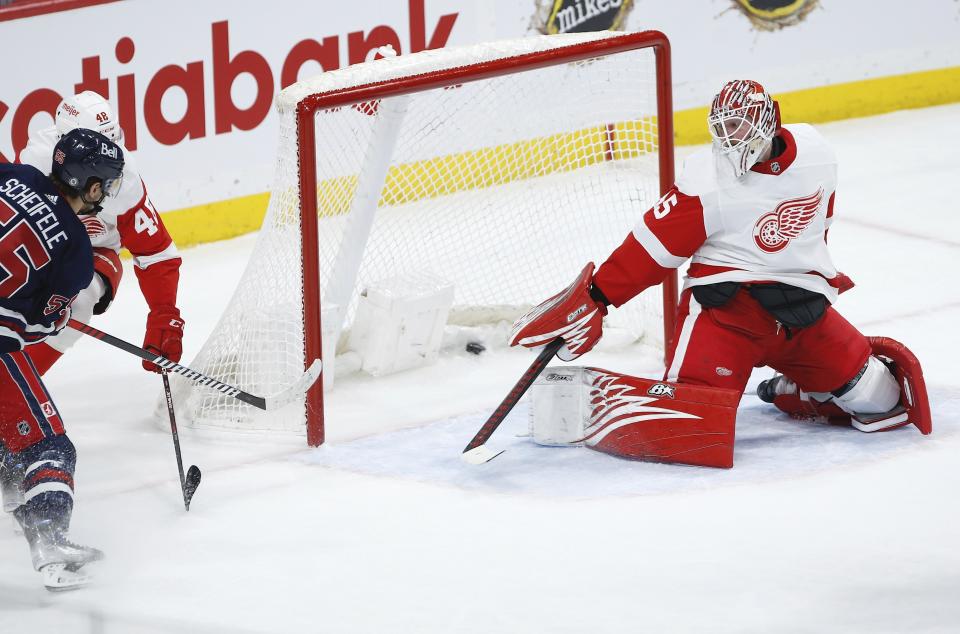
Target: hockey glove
572, 314
164, 335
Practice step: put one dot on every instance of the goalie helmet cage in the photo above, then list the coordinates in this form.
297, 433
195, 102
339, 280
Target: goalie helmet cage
477, 165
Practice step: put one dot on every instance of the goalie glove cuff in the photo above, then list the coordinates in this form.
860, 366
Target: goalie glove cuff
597, 295
573, 314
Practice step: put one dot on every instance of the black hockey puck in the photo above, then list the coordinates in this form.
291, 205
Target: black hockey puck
475, 347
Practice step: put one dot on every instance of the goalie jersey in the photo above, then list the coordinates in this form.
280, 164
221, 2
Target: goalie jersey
768, 226
45, 257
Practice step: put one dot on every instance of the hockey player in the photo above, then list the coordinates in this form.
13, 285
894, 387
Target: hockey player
128, 220
47, 259
753, 213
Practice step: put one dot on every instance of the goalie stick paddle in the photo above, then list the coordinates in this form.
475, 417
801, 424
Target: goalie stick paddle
190, 482
476, 451
299, 388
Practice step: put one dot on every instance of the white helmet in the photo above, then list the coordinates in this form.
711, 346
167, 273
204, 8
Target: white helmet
91, 111
743, 120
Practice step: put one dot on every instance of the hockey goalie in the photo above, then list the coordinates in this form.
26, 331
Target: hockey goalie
753, 213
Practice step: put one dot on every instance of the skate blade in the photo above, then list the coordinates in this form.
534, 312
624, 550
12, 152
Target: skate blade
59, 578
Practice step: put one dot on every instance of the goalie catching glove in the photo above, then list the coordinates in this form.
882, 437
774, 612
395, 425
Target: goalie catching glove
575, 314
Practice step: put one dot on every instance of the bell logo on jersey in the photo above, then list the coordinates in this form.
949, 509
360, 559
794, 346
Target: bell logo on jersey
47, 408
774, 230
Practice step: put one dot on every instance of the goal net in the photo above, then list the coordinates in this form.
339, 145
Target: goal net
500, 168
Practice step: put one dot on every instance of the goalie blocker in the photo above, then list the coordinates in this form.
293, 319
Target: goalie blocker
634, 418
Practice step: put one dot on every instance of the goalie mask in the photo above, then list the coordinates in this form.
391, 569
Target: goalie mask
743, 120
91, 111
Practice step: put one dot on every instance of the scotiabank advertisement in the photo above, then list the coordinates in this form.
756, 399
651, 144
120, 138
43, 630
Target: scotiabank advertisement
193, 82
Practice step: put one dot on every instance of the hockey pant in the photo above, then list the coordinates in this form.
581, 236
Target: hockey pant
37, 452
719, 347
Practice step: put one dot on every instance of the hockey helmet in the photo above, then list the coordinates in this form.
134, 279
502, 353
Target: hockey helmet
743, 120
91, 111
83, 154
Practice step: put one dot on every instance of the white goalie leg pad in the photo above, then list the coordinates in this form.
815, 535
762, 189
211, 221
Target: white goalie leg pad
559, 406
876, 391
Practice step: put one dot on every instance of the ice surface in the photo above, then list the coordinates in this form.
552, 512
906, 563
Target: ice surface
384, 529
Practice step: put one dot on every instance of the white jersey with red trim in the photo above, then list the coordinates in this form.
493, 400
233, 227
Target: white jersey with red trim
769, 226
127, 220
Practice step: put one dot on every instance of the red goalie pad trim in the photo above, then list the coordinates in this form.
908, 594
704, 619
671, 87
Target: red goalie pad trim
800, 407
658, 421
913, 389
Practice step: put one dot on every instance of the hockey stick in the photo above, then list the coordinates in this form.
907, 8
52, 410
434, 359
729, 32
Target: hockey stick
299, 388
189, 483
476, 452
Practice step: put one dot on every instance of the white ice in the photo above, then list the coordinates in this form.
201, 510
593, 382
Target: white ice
816, 528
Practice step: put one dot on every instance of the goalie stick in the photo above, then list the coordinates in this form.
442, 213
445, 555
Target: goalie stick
476, 451
190, 482
262, 402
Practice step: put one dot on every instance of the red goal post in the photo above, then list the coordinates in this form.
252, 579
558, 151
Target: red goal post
620, 140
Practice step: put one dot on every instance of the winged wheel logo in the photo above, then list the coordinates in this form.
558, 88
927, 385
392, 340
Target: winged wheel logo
774, 230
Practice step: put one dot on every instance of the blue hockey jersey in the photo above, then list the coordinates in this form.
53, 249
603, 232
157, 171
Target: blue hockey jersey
45, 257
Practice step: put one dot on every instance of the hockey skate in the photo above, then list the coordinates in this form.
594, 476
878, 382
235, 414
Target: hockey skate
769, 389
58, 560
788, 398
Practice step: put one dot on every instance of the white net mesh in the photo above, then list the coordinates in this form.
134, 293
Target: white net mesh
504, 186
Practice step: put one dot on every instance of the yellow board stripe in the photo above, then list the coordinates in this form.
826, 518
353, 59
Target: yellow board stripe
517, 161
230, 218
217, 220
843, 101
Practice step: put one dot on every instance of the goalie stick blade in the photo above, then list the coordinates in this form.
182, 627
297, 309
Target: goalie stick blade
190, 484
296, 390
480, 454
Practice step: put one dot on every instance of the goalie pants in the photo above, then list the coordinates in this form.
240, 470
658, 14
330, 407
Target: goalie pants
720, 346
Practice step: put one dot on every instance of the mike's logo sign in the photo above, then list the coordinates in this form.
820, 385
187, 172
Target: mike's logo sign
580, 16
770, 15
206, 84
